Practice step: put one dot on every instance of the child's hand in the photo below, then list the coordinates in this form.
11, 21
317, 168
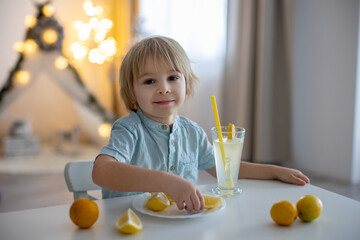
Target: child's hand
290, 175
184, 193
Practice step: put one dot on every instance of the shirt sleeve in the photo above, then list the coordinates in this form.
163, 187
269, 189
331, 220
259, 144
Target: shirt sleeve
121, 144
206, 152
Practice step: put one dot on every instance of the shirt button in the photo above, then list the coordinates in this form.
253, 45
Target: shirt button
172, 168
164, 127
172, 141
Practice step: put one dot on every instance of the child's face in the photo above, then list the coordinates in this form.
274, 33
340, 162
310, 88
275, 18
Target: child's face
160, 91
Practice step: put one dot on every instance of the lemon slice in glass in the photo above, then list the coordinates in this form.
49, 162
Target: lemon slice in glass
231, 132
129, 222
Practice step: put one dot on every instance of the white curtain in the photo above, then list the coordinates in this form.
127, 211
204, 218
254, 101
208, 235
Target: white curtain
257, 89
252, 81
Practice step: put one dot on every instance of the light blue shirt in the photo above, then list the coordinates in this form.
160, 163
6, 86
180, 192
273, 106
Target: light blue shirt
140, 141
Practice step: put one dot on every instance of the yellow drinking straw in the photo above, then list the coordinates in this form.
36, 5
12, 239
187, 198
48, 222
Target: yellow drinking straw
218, 126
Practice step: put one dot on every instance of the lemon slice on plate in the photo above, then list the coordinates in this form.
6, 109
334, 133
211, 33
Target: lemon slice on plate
158, 201
211, 201
171, 201
129, 222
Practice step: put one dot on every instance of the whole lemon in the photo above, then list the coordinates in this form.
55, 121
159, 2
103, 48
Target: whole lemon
84, 212
309, 207
283, 213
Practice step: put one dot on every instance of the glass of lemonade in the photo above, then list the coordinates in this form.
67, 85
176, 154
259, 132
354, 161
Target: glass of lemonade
227, 159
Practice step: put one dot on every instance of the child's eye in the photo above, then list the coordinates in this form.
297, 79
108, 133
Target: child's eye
149, 81
173, 78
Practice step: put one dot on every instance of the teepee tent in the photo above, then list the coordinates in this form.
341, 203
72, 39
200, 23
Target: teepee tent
47, 35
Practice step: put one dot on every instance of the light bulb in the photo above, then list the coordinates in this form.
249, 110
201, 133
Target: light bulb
30, 46
99, 10
108, 47
19, 47
106, 23
22, 77
96, 57
104, 130
79, 51
84, 31
30, 21
48, 10
61, 63
93, 22
100, 35
49, 36
89, 9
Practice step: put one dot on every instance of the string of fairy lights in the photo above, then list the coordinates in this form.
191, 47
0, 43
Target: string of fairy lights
94, 42
44, 33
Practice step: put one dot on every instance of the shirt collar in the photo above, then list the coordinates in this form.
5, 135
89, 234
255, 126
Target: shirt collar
156, 125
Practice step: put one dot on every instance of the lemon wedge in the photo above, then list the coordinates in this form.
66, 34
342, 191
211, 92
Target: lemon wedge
231, 132
170, 200
158, 201
211, 201
129, 222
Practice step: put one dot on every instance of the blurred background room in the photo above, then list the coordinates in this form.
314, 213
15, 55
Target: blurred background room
286, 70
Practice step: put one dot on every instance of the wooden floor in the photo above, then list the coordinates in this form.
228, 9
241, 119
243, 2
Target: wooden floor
20, 192
23, 191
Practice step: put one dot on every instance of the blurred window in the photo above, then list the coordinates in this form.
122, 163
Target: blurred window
198, 25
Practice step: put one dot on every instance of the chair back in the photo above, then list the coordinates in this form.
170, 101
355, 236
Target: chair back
78, 178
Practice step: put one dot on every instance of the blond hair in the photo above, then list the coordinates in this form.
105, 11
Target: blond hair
159, 48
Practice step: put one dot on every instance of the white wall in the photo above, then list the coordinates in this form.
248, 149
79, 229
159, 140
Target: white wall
325, 75
356, 141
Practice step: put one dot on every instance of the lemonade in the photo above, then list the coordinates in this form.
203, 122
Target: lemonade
227, 159
233, 149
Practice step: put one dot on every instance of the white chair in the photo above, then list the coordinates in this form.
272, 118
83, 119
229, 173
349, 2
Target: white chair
79, 180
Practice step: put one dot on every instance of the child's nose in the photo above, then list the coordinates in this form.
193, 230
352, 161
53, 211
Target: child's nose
163, 88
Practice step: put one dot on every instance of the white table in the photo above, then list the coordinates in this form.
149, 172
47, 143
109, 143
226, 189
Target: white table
245, 217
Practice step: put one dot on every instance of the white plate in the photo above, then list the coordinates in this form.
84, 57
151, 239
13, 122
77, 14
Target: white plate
172, 211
